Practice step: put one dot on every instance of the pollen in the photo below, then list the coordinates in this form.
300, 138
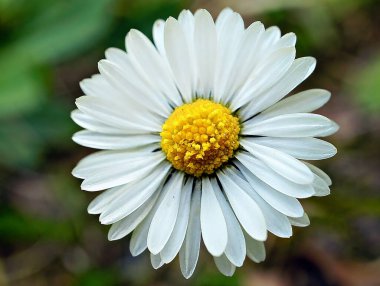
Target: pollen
200, 137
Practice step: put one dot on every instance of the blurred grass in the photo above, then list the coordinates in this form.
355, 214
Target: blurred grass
47, 48
367, 85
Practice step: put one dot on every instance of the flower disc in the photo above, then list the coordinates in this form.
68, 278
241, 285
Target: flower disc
199, 137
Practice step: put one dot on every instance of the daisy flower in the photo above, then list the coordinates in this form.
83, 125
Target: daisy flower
200, 142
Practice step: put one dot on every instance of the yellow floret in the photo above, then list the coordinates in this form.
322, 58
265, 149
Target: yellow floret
199, 137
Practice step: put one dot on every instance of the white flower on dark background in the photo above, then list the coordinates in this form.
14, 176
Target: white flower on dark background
199, 141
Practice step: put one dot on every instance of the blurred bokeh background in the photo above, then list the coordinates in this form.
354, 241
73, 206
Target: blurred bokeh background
46, 235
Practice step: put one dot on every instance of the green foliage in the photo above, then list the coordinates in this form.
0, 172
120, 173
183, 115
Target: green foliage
58, 32
215, 279
17, 227
22, 97
61, 31
54, 34
30, 135
45, 34
366, 85
97, 277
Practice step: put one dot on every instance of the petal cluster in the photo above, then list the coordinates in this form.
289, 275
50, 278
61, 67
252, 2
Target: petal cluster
249, 70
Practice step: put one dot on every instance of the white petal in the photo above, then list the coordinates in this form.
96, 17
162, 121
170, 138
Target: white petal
179, 57
158, 36
139, 237
186, 20
98, 86
246, 60
320, 187
143, 54
280, 162
230, 31
134, 195
100, 203
319, 173
267, 44
125, 79
110, 173
298, 72
88, 122
330, 131
300, 148
287, 40
113, 142
270, 37
119, 58
272, 179
255, 249
291, 125
205, 50
117, 115
235, 249
175, 241
189, 253
224, 265
166, 215
245, 209
99, 160
306, 101
156, 261
266, 75
126, 225
222, 17
124, 82
300, 221
287, 205
276, 222
213, 224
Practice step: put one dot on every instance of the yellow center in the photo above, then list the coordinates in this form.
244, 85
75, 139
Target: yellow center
199, 137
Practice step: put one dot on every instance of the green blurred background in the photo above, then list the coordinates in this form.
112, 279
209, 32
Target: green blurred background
46, 236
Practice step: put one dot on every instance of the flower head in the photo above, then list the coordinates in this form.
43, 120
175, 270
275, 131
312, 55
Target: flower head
200, 141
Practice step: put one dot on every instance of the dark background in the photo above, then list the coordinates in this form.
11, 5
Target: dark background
46, 235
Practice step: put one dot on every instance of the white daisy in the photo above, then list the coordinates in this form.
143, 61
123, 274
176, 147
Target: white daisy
199, 141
